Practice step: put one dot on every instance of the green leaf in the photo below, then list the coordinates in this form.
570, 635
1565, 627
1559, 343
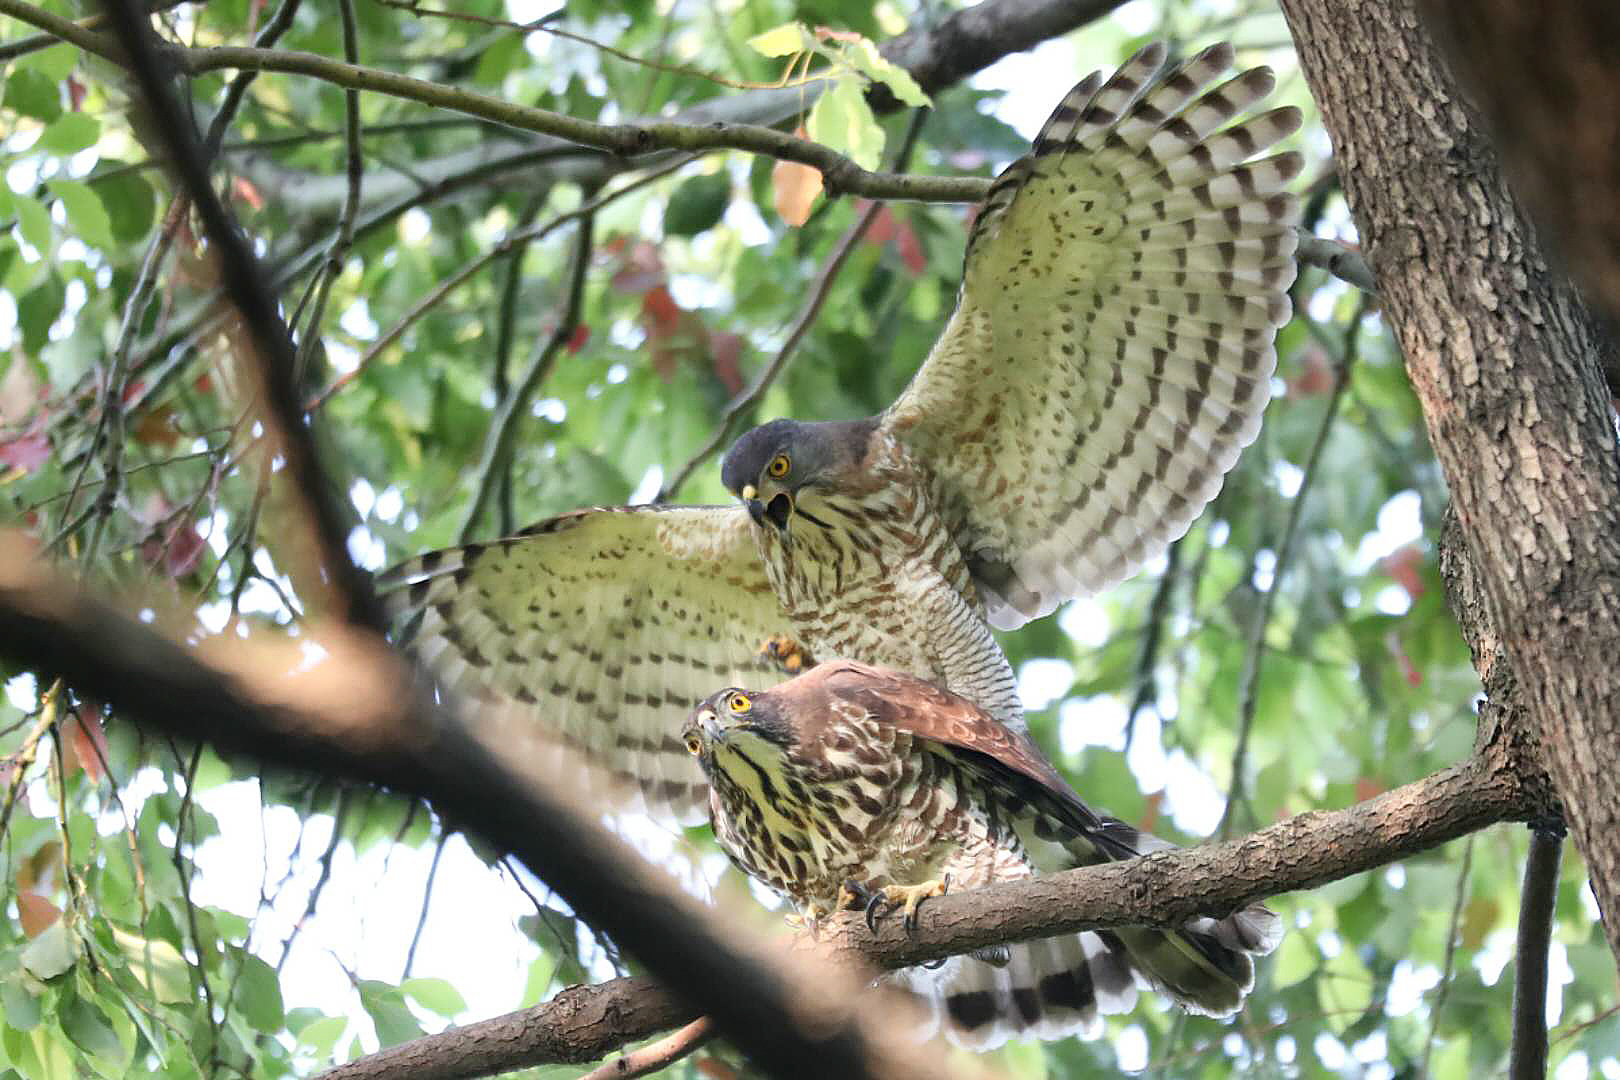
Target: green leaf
55, 63
167, 975
322, 1035
84, 212
87, 1026
32, 94
21, 1007
697, 205
131, 204
52, 953
842, 120
35, 222
435, 994
70, 133
784, 40
259, 994
394, 1021
1294, 961
864, 57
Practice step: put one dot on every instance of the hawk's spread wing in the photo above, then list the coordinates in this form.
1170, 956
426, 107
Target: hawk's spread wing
602, 627
1111, 349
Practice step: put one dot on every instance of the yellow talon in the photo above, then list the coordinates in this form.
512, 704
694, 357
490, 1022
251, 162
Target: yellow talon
909, 896
789, 655
906, 897
807, 919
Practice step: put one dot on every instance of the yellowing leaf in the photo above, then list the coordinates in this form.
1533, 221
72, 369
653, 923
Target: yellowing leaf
842, 120
864, 57
157, 964
50, 954
784, 40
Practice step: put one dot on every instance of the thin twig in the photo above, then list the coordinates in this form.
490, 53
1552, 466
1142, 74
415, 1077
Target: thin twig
339, 817
427, 899
1147, 658
341, 244
505, 335
1254, 646
504, 424
509, 243
1451, 956
1527, 1060
744, 402
267, 334
655, 1055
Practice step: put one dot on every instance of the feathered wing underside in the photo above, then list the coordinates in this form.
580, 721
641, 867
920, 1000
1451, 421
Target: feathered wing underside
599, 629
1060, 985
1112, 346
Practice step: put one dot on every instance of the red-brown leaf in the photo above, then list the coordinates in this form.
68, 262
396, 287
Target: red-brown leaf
35, 913
27, 451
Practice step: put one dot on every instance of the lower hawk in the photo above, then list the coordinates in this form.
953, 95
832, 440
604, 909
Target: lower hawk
855, 781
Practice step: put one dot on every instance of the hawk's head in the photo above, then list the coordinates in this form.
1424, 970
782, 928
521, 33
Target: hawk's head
735, 727
770, 467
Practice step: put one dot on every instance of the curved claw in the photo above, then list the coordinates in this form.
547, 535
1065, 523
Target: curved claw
873, 905
903, 896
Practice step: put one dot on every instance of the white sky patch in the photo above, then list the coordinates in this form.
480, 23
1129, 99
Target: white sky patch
366, 548
389, 504
1400, 522
550, 408
1086, 621
1131, 1047
1194, 800
1098, 721
23, 692
1031, 82
1043, 681
357, 320
363, 496
651, 481
414, 226
1407, 985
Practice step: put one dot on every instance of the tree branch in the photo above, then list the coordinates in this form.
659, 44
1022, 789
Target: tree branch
356, 714
248, 292
1504, 358
347, 718
1528, 1058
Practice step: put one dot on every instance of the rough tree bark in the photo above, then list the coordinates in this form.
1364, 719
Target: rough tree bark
1503, 356
1547, 77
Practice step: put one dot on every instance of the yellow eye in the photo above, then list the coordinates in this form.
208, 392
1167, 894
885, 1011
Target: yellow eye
739, 703
694, 745
779, 466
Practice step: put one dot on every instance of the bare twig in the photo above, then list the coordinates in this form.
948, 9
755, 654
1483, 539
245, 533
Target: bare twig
248, 291
654, 1056
1528, 1058
1254, 646
503, 425
427, 900
355, 169
754, 391
1451, 955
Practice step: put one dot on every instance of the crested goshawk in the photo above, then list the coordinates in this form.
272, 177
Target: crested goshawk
1110, 354
854, 781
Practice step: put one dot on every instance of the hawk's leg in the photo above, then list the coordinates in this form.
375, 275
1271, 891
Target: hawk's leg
789, 655
885, 898
808, 919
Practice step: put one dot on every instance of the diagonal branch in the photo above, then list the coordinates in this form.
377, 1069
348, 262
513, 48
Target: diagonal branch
359, 725
1528, 1058
249, 293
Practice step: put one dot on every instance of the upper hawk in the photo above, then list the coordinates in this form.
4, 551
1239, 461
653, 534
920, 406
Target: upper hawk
1110, 354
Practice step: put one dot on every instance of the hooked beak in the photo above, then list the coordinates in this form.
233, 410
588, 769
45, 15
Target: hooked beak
778, 511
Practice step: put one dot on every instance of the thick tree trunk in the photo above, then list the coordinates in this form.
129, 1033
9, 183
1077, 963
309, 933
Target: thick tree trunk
1502, 354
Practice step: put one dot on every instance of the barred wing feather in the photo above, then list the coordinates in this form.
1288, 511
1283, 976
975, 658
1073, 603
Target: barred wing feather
599, 629
1112, 346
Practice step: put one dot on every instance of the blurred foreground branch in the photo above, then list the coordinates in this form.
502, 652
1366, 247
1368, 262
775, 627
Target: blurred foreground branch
348, 716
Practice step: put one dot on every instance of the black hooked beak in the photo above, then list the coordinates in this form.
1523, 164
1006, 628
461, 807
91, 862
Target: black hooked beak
777, 511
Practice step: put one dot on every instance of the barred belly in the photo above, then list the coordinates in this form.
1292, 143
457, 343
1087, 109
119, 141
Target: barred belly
878, 578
